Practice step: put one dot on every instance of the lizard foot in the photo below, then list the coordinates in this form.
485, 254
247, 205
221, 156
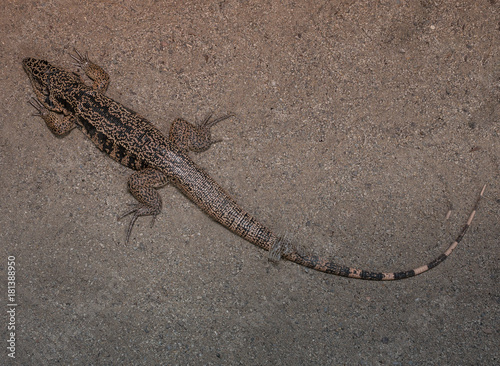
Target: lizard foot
58, 126
136, 211
208, 123
196, 138
93, 71
81, 61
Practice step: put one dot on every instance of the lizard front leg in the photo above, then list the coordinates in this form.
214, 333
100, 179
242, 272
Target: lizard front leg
58, 125
93, 71
187, 136
142, 184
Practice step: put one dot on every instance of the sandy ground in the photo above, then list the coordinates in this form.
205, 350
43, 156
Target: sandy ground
359, 125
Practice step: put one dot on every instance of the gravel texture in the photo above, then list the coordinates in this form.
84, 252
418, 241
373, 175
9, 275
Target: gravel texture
359, 126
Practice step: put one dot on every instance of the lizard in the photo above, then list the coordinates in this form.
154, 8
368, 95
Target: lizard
64, 102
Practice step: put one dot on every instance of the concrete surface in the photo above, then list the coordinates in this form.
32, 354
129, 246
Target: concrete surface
359, 125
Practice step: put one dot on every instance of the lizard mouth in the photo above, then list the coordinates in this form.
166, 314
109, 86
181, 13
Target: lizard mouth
33, 66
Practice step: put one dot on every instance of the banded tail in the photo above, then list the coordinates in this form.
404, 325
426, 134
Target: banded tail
323, 265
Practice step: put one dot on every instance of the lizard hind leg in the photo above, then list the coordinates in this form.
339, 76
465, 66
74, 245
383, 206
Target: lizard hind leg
191, 137
142, 184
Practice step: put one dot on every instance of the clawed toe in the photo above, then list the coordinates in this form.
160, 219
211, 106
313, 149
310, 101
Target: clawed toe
136, 211
35, 103
135, 208
208, 123
81, 60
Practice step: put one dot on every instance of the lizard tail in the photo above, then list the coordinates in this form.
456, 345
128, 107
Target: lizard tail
282, 248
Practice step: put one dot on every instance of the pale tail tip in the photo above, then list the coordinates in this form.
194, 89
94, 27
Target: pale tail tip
482, 191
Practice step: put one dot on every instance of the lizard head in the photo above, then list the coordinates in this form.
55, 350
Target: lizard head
48, 81
39, 72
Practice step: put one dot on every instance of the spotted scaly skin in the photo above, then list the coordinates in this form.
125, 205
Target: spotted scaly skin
64, 102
